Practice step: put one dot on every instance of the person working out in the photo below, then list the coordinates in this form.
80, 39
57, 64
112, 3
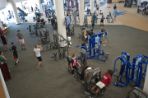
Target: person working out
37, 50
105, 81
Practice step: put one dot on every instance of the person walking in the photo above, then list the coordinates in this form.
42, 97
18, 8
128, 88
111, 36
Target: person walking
68, 22
37, 50
21, 40
15, 53
94, 19
115, 11
102, 21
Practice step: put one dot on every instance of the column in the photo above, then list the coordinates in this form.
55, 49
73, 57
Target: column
54, 5
81, 12
38, 3
145, 89
72, 3
60, 20
98, 3
92, 6
12, 2
77, 5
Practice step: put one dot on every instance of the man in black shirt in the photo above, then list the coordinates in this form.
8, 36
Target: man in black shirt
15, 54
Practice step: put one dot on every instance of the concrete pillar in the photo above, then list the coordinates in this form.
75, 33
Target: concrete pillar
77, 5
54, 4
92, 6
145, 89
81, 12
12, 2
98, 2
72, 3
60, 20
38, 3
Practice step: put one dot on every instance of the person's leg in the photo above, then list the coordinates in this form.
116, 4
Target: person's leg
97, 91
14, 59
17, 60
23, 44
93, 89
23, 47
40, 62
69, 28
5, 47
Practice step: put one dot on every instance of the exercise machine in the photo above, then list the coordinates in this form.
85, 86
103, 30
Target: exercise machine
130, 72
94, 45
124, 60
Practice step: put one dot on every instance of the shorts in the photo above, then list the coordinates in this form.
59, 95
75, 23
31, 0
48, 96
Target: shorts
21, 41
39, 58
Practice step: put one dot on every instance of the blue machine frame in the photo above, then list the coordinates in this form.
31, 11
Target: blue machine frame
133, 72
94, 47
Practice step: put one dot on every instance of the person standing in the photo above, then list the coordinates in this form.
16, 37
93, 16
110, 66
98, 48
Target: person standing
15, 53
37, 50
94, 20
29, 28
21, 39
31, 9
3, 38
115, 11
102, 20
68, 22
4, 68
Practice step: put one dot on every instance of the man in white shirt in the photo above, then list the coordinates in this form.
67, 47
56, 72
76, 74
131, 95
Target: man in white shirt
37, 50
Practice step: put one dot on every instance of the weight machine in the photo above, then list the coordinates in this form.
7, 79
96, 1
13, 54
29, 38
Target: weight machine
93, 47
130, 72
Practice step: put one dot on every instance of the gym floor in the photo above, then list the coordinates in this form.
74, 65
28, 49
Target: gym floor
53, 80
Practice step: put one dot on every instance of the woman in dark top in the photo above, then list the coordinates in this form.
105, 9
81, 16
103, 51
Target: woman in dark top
3, 38
15, 54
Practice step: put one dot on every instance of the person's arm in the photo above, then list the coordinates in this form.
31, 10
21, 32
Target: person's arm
4, 57
40, 47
